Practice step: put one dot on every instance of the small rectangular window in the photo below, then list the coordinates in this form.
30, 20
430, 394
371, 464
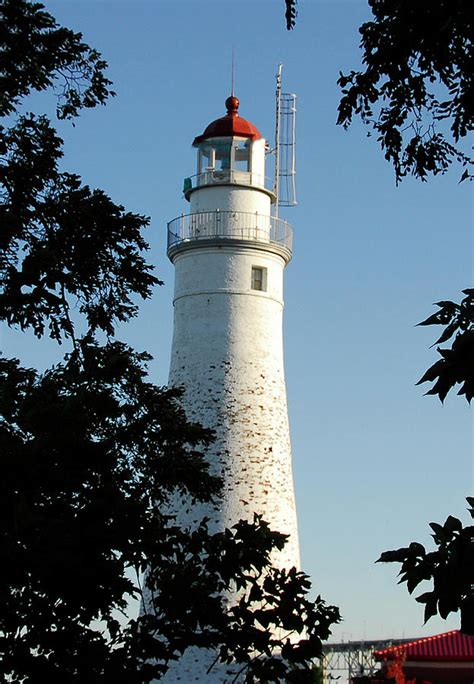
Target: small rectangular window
259, 278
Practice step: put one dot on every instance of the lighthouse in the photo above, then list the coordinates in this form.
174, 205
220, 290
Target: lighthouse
229, 252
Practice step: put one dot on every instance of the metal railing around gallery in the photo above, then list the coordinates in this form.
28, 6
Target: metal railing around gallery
231, 225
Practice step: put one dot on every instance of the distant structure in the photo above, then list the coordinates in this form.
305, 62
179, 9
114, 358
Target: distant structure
446, 658
229, 254
350, 659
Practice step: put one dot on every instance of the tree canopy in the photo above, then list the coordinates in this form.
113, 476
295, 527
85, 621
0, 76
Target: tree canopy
60, 240
416, 88
90, 449
450, 568
37, 54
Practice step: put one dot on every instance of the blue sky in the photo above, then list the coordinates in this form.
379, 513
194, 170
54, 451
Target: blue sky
374, 460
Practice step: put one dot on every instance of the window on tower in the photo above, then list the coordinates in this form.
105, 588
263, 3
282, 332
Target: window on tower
207, 158
259, 278
242, 155
223, 155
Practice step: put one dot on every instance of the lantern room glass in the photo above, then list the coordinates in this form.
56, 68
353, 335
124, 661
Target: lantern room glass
228, 154
241, 155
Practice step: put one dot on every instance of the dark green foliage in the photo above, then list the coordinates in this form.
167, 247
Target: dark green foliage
417, 87
82, 473
37, 54
456, 365
272, 606
317, 675
290, 14
62, 243
450, 568
90, 450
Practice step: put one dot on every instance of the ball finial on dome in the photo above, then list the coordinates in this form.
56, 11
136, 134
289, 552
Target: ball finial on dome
232, 104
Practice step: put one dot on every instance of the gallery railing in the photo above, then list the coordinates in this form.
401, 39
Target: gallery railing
231, 225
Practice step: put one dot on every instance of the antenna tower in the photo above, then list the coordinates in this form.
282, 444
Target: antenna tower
285, 147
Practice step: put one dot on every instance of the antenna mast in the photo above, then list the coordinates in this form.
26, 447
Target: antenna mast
233, 70
276, 182
284, 186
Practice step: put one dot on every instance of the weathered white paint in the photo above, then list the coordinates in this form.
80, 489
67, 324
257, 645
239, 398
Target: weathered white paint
257, 157
230, 198
227, 353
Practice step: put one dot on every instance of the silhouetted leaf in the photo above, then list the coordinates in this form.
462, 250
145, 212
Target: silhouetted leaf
434, 319
392, 556
430, 610
470, 501
417, 549
452, 524
447, 333
450, 568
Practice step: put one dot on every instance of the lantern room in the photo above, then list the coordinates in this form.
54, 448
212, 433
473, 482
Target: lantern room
231, 151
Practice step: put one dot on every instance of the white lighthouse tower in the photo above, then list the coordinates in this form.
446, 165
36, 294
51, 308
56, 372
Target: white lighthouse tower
229, 254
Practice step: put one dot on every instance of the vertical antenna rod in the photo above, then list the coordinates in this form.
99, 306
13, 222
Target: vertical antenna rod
233, 70
277, 138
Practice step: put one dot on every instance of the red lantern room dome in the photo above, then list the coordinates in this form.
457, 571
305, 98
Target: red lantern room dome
230, 125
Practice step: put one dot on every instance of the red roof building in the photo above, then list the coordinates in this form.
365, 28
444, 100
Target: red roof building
442, 659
